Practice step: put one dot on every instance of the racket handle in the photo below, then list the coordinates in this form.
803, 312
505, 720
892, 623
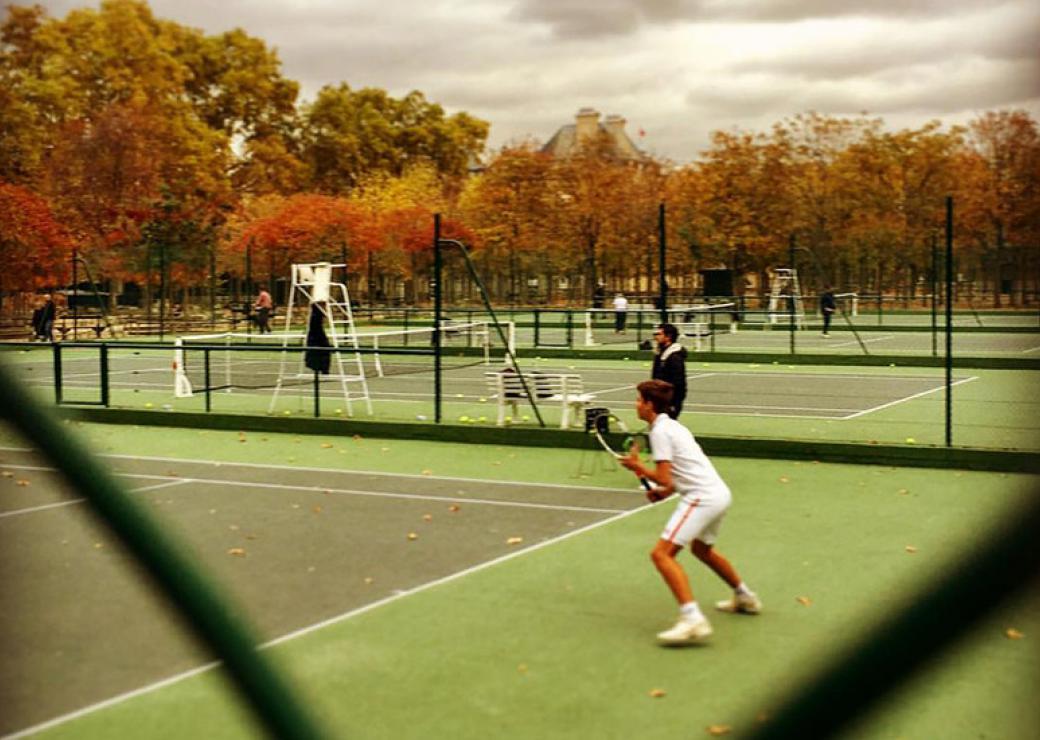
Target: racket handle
646, 484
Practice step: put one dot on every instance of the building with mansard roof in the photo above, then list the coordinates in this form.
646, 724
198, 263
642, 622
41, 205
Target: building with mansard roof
586, 126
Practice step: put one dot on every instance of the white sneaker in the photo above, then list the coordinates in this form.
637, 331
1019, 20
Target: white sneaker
686, 632
740, 604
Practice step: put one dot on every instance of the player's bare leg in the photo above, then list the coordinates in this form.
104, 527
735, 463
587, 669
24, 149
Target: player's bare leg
744, 600
692, 626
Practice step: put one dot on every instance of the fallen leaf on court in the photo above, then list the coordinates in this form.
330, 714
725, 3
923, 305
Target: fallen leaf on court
250, 536
98, 545
658, 693
911, 549
522, 668
356, 438
296, 506
8, 474
237, 551
413, 536
369, 580
326, 445
316, 509
233, 527
384, 449
514, 540
453, 507
23, 482
719, 730
497, 462
804, 600
1012, 634
427, 471
784, 479
427, 517
903, 491
311, 569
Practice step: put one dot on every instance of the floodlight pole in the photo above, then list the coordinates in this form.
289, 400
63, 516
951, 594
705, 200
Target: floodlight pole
662, 280
73, 302
935, 299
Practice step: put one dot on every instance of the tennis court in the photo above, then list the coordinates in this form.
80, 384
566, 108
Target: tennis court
463, 630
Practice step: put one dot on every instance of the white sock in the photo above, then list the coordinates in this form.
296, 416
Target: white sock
743, 590
690, 610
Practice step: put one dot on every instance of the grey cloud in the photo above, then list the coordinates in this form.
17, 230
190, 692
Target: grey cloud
579, 19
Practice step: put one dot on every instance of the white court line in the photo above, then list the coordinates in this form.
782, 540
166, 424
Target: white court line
70, 502
170, 680
907, 398
1031, 349
271, 466
351, 491
865, 341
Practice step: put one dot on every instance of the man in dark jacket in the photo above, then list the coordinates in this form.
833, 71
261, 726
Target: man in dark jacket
670, 365
828, 305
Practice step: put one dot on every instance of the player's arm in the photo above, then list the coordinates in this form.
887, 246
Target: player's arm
661, 475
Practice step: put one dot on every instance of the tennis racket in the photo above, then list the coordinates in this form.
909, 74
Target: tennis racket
601, 426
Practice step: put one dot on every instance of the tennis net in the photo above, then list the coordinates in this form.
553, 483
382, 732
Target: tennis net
233, 360
605, 326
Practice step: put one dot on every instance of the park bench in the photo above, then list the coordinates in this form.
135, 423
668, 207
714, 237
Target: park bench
565, 389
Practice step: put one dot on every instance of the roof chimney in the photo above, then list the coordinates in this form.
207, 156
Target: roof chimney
587, 124
614, 124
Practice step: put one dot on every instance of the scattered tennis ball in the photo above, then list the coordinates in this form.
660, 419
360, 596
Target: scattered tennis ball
148, 405
421, 417
287, 412
483, 399
525, 417
458, 395
463, 419
339, 411
413, 536
911, 440
482, 419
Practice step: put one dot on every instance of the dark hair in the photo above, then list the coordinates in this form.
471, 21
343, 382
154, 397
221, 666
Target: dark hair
658, 393
670, 331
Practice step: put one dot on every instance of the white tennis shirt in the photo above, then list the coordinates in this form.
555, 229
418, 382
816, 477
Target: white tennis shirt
692, 472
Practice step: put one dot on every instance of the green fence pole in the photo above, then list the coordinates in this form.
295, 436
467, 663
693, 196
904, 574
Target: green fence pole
949, 321
209, 615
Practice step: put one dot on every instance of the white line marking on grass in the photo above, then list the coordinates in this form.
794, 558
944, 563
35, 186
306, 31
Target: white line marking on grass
336, 471
396, 596
907, 398
865, 341
409, 496
1031, 349
58, 504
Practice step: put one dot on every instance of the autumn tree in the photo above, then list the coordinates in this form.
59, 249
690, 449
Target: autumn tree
34, 248
349, 134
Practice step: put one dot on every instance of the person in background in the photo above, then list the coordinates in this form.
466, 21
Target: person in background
828, 305
620, 313
48, 313
670, 365
263, 307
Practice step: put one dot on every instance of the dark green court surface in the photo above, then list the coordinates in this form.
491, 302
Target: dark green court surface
527, 611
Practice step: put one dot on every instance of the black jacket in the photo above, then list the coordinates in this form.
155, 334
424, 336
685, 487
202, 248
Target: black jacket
670, 366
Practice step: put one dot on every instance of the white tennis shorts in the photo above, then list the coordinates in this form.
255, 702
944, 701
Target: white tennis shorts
697, 517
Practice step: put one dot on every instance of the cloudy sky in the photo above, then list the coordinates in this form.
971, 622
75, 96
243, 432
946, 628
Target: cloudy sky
675, 69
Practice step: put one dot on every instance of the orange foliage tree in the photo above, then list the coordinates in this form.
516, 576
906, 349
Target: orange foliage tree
34, 247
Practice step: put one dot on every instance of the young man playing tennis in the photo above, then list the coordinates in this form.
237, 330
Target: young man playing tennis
682, 467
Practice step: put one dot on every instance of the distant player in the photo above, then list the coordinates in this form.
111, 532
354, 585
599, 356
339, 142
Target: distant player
683, 468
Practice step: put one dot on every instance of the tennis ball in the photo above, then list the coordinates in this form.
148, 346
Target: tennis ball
463, 419
525, 417
421, 417
339, 411
483, 400
482, 419
287, 412
148, 405
910, 440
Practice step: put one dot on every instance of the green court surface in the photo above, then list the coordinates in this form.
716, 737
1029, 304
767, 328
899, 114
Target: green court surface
463, 631
904, 405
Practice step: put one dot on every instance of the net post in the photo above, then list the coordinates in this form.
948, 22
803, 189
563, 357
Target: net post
537, 327
317, 396
103, 359
663, 254
58, 391
206, 376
